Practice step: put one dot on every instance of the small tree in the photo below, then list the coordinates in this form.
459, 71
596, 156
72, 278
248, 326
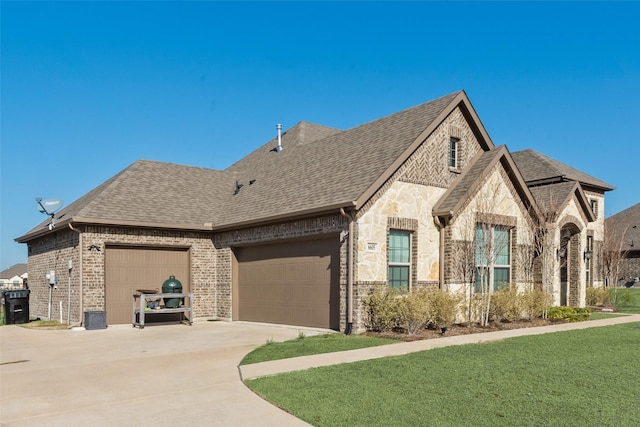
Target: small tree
612, 253
463, 262
545, 234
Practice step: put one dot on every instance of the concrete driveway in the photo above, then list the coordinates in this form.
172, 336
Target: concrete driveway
169, 375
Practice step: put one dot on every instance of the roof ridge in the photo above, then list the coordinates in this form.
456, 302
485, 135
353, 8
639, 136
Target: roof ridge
405, 110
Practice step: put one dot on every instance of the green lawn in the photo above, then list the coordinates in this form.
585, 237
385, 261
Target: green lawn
598, 315
585, 377
627, 300
304, 346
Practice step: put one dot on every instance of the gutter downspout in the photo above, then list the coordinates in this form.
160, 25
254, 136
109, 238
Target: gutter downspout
441, 226
80, 272
350, 265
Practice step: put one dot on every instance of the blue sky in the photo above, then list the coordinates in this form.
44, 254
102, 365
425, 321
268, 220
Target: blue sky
87, 88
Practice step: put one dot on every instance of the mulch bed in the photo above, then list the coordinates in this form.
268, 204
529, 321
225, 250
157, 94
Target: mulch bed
464, 329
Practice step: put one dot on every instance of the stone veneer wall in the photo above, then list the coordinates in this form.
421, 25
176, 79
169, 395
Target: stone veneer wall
496, 201
576, 288
408, 197
597, 228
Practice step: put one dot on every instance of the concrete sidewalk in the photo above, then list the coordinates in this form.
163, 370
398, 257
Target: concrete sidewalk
300, 363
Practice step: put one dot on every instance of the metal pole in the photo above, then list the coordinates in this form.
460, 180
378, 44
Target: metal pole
69, 300
49, 313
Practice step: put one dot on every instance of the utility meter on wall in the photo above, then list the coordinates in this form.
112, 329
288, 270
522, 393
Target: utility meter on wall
51, 277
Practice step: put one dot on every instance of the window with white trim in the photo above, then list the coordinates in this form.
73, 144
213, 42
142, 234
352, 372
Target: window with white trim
453, 152
399, 259
493, 256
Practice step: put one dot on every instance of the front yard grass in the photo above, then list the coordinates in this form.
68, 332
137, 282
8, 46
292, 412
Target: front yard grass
596, 315
627, 300
582, 377
304, 346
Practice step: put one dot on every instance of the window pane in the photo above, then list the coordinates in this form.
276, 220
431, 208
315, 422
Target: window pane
500, 278
502, 246
453, 146
481, 255
399, 247
399, 277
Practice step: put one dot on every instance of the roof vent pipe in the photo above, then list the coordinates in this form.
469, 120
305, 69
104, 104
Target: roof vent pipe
279, 129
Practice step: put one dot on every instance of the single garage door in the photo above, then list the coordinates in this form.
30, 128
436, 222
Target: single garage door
130, 268
293, 283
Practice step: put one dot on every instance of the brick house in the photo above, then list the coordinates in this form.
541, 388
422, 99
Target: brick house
304, 227
14, 277
625, 226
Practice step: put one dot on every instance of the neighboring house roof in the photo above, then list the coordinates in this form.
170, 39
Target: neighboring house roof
320, 169
13, 271
538, 169
627, 222
470, 181
553, 198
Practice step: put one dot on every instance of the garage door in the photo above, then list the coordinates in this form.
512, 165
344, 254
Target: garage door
294, 283
128, 269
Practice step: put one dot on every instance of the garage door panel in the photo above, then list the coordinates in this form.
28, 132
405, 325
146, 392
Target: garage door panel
128, 269
291, 283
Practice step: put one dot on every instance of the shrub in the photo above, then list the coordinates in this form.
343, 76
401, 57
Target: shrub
443, 307
626, 298
382, 309
534, 302
570, 314
506, 304
598, 296
471, 308
413, 310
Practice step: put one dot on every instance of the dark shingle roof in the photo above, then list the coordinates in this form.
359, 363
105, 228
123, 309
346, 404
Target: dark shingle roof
335, 170
461, 188
552, 198
538, 168
629, 220
467, 184
149, 192
319, 168
301, 133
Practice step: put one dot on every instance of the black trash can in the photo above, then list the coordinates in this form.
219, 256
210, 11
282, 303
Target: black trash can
16, 306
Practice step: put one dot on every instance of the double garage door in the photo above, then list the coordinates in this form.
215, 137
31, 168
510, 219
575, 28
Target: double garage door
130, 268
293, 283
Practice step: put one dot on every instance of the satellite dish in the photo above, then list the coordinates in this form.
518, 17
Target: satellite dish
49, 206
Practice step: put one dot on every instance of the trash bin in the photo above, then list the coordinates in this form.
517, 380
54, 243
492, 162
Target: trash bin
16, 306
95, 320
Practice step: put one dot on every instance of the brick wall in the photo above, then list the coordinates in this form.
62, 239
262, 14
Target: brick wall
54, 250
308, 227
630, 266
